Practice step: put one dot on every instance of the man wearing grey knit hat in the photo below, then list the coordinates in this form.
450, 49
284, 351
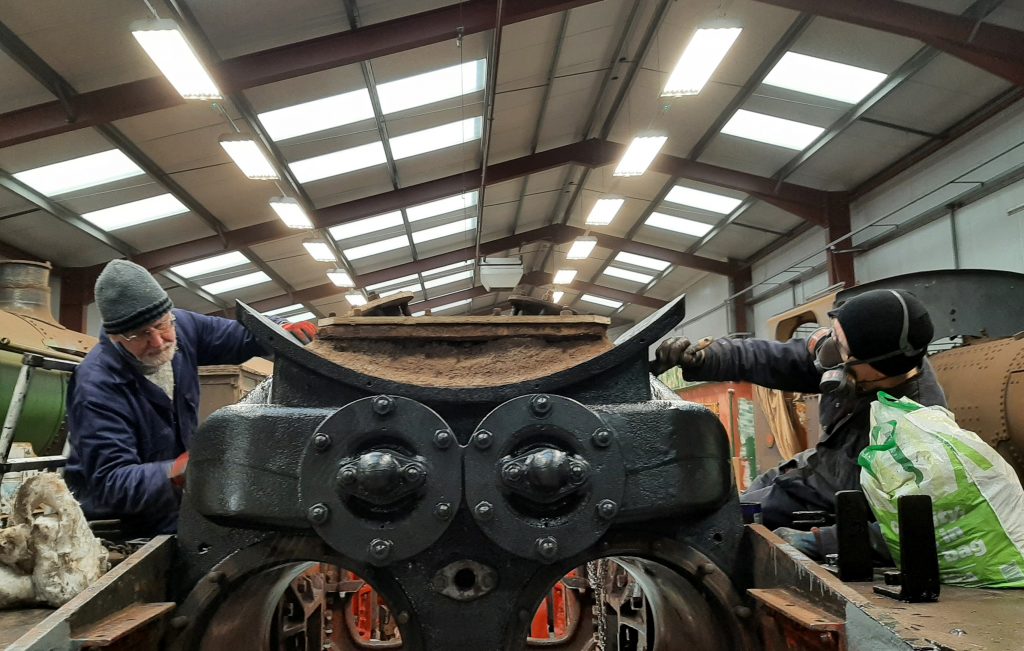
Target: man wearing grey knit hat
133, 403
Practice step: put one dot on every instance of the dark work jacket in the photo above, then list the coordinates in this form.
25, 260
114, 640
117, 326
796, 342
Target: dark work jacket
125, 431
810, 480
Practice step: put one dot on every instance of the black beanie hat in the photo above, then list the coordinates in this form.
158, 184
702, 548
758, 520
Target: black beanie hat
129, 297
873, 324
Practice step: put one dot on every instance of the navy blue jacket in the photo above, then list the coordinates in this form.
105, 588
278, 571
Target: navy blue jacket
125, 432
809, 480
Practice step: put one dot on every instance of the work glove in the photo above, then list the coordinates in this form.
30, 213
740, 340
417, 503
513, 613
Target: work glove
806, 542
177, 472
678, 351
304, 331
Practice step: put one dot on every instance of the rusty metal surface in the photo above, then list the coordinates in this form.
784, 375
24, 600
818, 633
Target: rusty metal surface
984, 385
469, 328
15, 623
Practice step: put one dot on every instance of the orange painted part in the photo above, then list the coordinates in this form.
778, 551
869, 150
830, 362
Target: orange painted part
539, 627
715, 395
561, 619
561, 612
362, 610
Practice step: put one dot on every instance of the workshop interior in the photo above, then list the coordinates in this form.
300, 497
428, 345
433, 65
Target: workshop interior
581, 325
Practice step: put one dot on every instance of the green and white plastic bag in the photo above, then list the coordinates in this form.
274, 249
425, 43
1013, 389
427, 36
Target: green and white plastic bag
977, 499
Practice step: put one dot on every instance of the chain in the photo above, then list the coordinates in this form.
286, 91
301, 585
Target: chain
596, 574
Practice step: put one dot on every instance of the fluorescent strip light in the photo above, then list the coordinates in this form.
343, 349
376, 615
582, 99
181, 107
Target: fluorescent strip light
375, 248
607, 302
340, 277
304, 316
446, 280
824, 78
291, 212
701, 57
626, 274
209, 265
79, 173
564, 276
283, 310
317, 115
449, 267
355, 299
444, 230
557, 297
321, 251
249, 157
339, 162
411, 289
430, 87
446, 135
581, 248
449, 306
388, 283
366, 226
238, 282
604, 211
642, 261
639, 155
710, 201
771, 130
678, 224
136, 212
442, 206
170, 51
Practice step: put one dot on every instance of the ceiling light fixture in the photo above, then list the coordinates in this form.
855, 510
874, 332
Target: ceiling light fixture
291, 212
581, 248
639, 155
340, 278
167, 46
564, 276
249, 157
604, 211
701, 57
321, 251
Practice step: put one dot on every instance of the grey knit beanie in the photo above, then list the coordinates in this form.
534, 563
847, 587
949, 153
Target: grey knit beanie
129, 297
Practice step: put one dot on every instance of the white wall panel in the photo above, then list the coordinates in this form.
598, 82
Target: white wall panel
988, 236
926, 249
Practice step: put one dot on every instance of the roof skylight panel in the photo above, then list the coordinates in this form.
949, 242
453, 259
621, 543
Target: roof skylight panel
136, 212
238, 282
410, 288
433, 86
449, 267
303, 316
451, 305
678, 224
339, 162
772, 130
442, 206
376, 248
210, 265
444, 230
79, 173
389, 283
441, 137
447, 280
824, 78
285, 310
642, 261
626, 274
600, 300
366, 226
317, 115
709, 201
564, 276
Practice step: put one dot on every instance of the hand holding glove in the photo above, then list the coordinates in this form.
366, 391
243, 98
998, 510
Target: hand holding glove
678, 351
304, 331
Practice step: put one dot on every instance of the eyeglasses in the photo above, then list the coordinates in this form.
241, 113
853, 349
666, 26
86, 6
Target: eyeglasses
162, 328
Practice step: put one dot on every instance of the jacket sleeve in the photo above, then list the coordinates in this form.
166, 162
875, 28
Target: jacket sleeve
119, 482
223, 341
786, 366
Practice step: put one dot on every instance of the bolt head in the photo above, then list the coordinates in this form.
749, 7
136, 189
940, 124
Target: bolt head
443, 439
383, 405
380, 548
512, 472
547, 547
540, 405
601, 438
484, 511
576, 472
347, 476
412, 472
318, 513
483, 439
443, 511
321, 442
607, 509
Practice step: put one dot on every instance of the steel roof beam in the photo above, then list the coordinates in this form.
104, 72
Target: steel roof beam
993, 48
258, 68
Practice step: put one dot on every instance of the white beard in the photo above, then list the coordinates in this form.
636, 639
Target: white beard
155, 360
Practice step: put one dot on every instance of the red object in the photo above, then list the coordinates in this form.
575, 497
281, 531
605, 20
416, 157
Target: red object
177, 472
304, 331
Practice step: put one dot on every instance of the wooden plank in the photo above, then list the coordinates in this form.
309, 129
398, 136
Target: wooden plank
120, 624
798, 609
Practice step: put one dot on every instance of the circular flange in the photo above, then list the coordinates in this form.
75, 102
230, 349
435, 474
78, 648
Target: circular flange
543, 529
374, 528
